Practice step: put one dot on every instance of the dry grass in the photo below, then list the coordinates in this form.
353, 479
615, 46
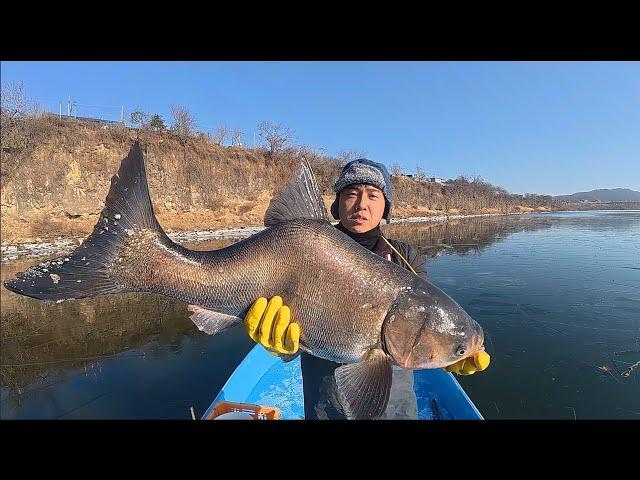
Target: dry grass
56, 175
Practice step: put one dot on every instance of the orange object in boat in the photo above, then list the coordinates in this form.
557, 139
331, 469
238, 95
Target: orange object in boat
251, 411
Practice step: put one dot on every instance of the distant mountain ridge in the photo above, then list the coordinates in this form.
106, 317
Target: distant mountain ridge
603, 195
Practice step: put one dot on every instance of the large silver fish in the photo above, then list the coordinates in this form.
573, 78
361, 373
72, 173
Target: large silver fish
353, 306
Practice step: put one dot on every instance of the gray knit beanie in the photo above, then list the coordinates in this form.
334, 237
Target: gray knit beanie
366, 171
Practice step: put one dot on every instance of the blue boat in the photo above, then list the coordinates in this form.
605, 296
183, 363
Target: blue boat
263, 379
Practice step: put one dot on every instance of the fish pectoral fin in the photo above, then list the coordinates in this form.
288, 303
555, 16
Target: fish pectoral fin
364, 387
211, 322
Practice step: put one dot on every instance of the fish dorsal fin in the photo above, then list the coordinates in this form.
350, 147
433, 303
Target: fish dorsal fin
300, 198
211, 322
363, 388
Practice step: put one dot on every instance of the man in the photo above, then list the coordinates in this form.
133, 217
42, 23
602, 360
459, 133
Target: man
364, 197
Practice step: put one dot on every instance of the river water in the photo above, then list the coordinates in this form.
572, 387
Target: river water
558, 295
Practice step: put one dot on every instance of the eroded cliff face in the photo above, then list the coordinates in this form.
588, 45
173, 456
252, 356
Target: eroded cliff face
56, 175
57, 188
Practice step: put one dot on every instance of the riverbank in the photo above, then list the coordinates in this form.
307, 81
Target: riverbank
62, 245
56, 175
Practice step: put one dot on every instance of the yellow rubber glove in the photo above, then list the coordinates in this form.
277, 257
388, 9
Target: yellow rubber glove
269, 324
468, 366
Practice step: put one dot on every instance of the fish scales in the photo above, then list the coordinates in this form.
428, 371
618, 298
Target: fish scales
303, 261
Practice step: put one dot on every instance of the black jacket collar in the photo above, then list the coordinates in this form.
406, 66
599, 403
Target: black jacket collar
367, 239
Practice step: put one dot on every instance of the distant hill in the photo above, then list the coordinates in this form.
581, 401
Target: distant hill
603, 195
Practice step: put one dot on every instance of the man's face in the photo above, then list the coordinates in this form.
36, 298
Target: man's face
361, 207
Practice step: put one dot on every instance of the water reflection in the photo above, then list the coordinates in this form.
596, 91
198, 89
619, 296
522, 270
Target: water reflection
462, 236
476, 234
43, 342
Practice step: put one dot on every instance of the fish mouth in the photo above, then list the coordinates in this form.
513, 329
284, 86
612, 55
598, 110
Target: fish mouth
478, 358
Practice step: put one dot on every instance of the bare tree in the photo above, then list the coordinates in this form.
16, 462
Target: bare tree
396, 169
236, 138
17, 114
183, 123
14, 103
204, 137
220, 134
310, 153
139, 118
345, 156
277, 137
420, 174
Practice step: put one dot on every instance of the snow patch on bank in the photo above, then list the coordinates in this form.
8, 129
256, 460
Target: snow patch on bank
61, 245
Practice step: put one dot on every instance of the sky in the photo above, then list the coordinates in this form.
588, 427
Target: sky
530, 127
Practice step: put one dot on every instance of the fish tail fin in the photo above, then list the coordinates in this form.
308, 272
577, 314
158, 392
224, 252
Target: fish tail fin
125, 234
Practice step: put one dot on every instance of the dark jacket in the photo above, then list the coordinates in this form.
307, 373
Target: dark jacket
318, 382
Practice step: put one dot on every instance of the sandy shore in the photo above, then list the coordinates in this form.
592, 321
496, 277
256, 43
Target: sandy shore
66, 245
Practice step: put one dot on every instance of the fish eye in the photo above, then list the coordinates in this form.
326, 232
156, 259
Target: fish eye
461, 350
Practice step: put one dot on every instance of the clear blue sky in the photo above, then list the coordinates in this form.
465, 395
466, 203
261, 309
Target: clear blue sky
540, 127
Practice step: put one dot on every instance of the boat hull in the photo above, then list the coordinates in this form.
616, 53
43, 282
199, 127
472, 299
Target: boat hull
264, 379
